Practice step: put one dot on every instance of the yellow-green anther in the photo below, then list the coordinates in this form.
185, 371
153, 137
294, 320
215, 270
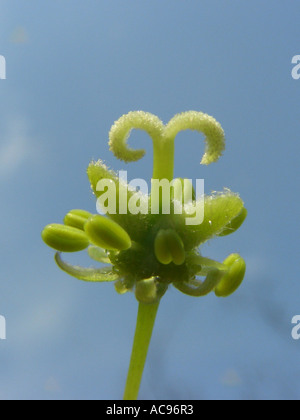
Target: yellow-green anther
168, 247
77, 218
65, 238
235, 223
106, 233
233, 278
175, 246
193, 120
161, 249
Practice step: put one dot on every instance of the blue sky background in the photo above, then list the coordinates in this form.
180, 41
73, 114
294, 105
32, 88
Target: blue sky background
73, 68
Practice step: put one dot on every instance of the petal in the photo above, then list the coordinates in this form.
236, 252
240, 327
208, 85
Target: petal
134, 224
219, 210
86, 274
96, 172
235, 223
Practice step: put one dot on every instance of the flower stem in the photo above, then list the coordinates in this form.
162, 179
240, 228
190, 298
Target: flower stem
144, 327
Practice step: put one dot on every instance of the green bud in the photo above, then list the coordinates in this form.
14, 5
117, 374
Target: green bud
232, 280
107, 234
77, 218
235, 223
168, 247
65, 238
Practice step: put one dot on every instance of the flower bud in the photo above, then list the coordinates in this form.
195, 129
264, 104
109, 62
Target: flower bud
106, 233
77, 218
232, 280
65, 238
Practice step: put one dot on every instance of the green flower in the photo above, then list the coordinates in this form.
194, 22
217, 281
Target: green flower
148, 252
149, 242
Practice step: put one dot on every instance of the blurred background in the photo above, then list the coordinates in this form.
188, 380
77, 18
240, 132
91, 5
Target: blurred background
72, 69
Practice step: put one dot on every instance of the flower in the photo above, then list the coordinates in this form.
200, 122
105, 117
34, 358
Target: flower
145, 250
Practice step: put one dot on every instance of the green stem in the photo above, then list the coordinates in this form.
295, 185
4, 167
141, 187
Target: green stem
144, 327
163, 159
